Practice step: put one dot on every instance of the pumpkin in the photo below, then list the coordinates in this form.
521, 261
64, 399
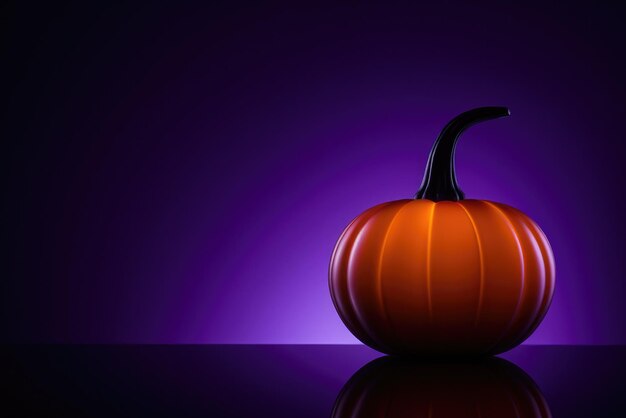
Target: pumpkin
398, 387
439, 274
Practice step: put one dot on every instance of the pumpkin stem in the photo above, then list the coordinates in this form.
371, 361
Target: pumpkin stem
440, 177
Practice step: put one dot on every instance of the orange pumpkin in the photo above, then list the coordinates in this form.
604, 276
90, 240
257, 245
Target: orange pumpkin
439, 275
395, 387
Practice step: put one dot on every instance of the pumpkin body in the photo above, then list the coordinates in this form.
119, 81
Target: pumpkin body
393, 387
469, 277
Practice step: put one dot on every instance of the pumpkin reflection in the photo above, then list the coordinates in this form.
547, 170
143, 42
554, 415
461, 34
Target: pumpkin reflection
395, 387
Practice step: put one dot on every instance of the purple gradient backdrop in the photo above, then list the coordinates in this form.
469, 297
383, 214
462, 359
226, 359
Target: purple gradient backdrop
180, 175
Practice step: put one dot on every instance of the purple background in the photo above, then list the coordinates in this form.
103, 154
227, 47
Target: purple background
181, 174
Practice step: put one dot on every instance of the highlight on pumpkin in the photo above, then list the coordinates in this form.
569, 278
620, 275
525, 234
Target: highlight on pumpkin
443, 276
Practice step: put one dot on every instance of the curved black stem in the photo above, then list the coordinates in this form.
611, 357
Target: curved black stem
440, 178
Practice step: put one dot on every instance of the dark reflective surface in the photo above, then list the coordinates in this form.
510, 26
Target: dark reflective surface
393, 387
305, 381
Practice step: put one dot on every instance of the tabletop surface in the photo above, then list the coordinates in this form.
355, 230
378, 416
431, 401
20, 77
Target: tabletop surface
307, 381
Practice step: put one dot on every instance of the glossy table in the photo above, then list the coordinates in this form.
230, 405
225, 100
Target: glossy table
307, 381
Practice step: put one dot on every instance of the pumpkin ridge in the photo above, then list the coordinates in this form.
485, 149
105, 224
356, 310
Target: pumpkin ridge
523, 268
359, 317
514, 405
350, 317
428, 266
481, 291
546, 254
379, 280
531, 323
334, 256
